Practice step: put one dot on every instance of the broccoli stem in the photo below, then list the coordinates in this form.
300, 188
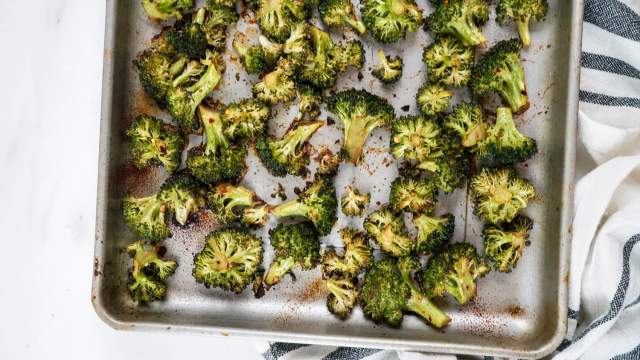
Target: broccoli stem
291, 208
422, 306
176, 67
213, 129
355, 136
469, 32
514, 86
200, 16
356, 24
206, 84
523, 30
277, 270
193, 68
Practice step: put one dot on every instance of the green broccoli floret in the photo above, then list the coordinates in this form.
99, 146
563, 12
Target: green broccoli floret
454, 270
390, 20
354, 203
276, 18
146, 217
499, 70
388, 291
294, 245
155, 143
361, 112
230, 260
521, 12
167, 9
449, 62
415, 138
343, 296
183, 196
251, 57
504, 143
320, 70
460, 18
453, 165
278, 85
328, 162
467, 120
157, 67
150, 270
348, 53
246, 119
386, 227
215, 19
310, 101
298, 45
272, 51
317, 202
499, 194
228, 203
504, 243
290, 154
433, 99
357, 256
390, 68
433, 232
188, 39
340, 13
413, 195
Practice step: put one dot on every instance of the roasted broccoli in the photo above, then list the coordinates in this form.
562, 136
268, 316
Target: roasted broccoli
361, 112
328, 162
167, 9
454, 270
433, 232
229, 203
317, 202
155, 143
354, 203
278, 85
215, 19
460, 18
146, 217
433, 99
272, 51
504, 243
251, 57
320, 70
389, 20
276, 18
256, 215
227, 3
389, 70
189, 38
504, 144
467, 120
310, 101
294, 245
388, 291
449, 62
415, 139
521, 12
150, 270
499, 70
246, 119
340, 13
348, 53
499, 194
357, 256
413, 195
183, 196
289, 154
386, 227
453, 165
343, 296
298, 45
230, 260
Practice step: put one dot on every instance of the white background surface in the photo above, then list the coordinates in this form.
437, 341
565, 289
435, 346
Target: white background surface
50, 84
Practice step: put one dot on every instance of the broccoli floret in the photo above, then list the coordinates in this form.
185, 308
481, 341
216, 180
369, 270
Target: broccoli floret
433, 232
310, 101
467, 120
227, 3
453, 165
146, 217
215, 20
328, 162
413, 195
320, 70
290, 154
317, 202
157, 66
504, 143
276, 18
190, 74
298, 46
521, 12
348, 53
294, 245
388, 291
389, 20
183, 196
167, 9
499, 194
251, 57
415, 138
389, 70
155, 143
354, 203
454, 270
343, 295
358, 255
246, 119
150, 270
188, 39
278, 85
460, 18
449, 62
386, 227
182, 102
256, 215
504, 243
499, 70
361, 112
340, 13
228, 202
230, 260
433, 99
272, 51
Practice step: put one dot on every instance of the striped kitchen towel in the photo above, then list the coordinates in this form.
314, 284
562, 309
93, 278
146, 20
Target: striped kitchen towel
604, 285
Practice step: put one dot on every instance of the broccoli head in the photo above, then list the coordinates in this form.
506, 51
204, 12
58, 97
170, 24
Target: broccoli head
504, 243
290, 154
390, 20
228, 203
310, 101
521, 12
215, 19
272, 51
499, 194
147, 277
188, 39
155, 143
386, 227
413, 195
276, 18
348, 53
460, 18
278, 85
317, 202
251, 57
298, 45
499, 70
320, 70
390, 68
454, 164
343, 296
433, 232
294, 245
357, 256
504, 143
361, 112
246, 119
157, 67
146, 217
328, 162
467, 120
354, 203
340, 13
230, 260
183, 196
433, 99
415, 138
167, 9
449, 62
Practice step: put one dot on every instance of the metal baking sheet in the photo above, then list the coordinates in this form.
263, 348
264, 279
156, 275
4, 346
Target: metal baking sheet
522, 314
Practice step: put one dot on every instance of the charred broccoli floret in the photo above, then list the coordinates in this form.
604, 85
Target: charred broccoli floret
433, 99
310, 101
189, 38
317, 202
343, 296
320, 70
246, 119
278, 85
388, 291
157, 67
504, 243
415, 139
521, 12
499, 194
298, 45
386, 227
467, 120
167, 9
348, 53
340, 13
504, 143
230, 260
460, 18
155, 143
214, 20
433, 232
256, 215
272, 51
183, 196
453, 165
454, 270
276, 18
290, 154
251, 57
361, 112
146, 217
328, 162
390, 20
354, 203
413, 195
499, 70
449, 62
357, 256
294, 245
150, 270
229, 203
389, 70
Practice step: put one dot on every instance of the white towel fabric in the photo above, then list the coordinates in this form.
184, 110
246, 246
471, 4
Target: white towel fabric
604, 285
